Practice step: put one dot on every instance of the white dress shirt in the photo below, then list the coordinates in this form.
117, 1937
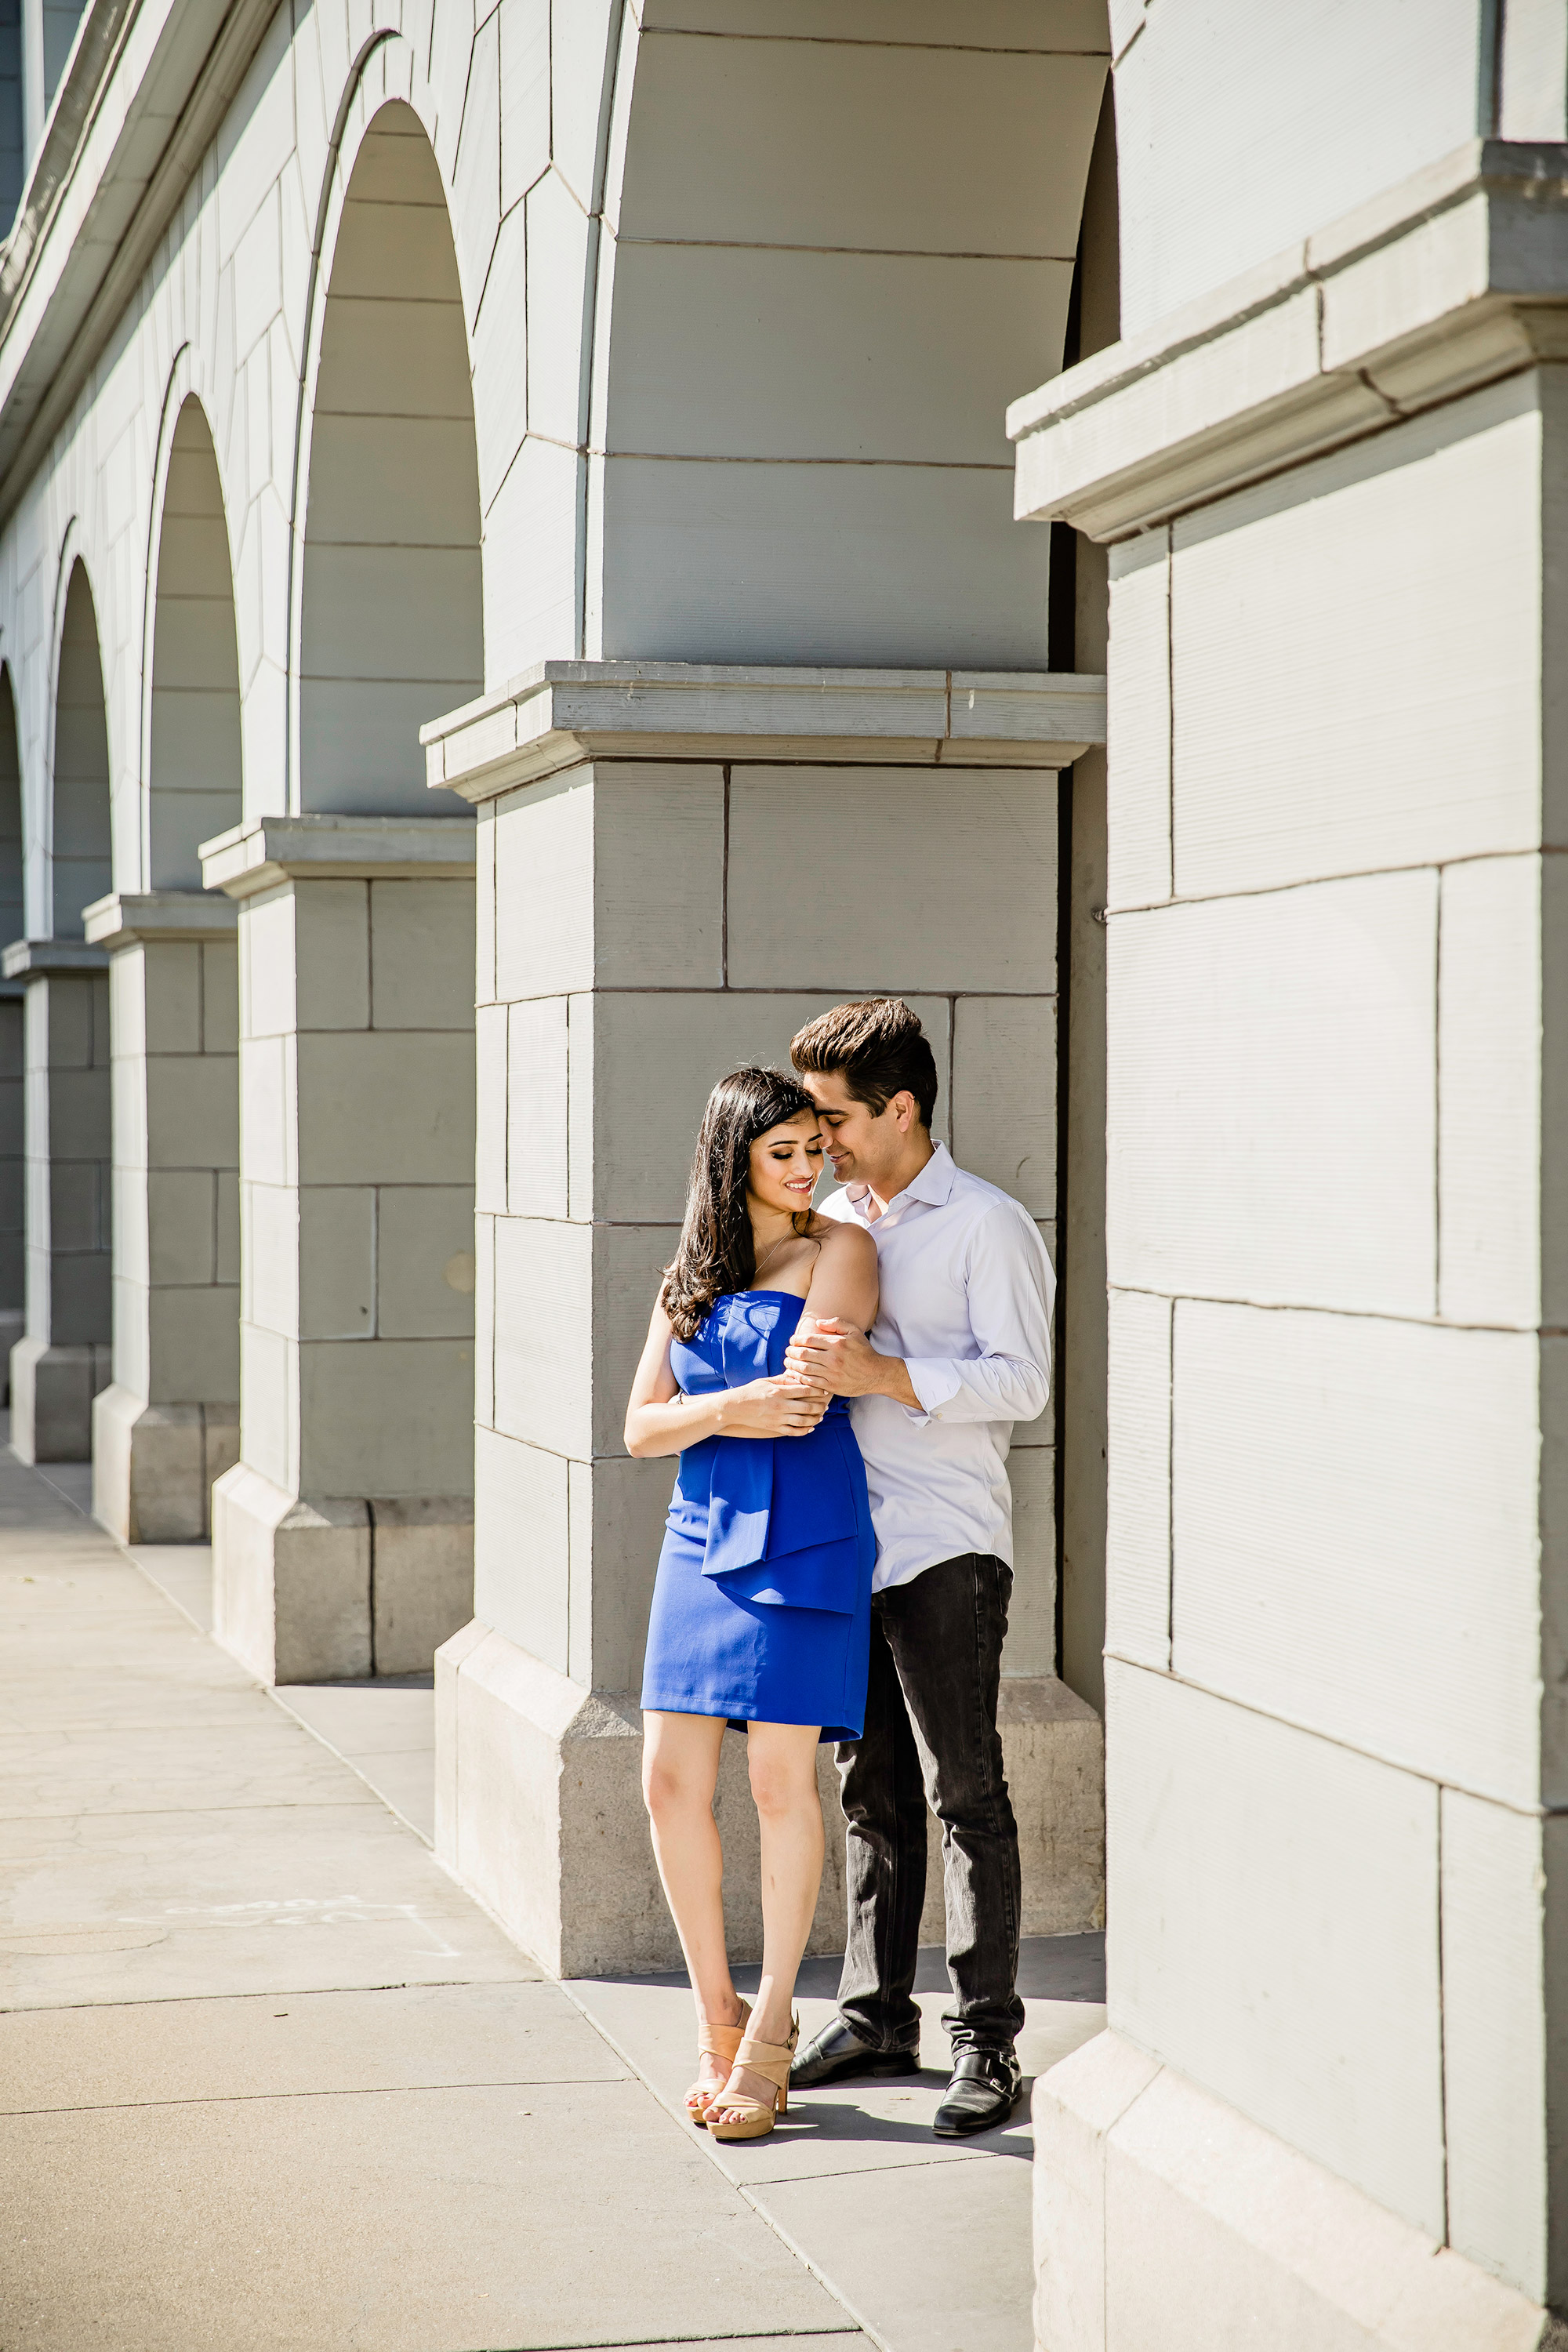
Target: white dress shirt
967, 1297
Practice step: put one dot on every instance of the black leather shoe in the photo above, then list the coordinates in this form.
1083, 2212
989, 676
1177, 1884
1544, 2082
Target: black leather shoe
837, 2054
984, 2092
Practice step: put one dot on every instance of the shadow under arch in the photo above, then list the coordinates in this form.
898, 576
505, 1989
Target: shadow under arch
79, 859
836, 260
63, 1359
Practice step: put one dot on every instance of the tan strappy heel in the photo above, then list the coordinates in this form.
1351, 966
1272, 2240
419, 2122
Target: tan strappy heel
756, 2117
715, 2041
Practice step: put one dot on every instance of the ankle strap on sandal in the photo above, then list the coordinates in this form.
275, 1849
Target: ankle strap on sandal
769, 2059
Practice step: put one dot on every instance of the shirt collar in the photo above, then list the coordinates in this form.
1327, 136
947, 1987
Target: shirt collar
932, 1185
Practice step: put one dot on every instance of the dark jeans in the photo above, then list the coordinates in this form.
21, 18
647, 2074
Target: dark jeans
930, 1732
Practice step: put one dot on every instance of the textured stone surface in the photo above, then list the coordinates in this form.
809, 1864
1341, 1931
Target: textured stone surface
1160, 2215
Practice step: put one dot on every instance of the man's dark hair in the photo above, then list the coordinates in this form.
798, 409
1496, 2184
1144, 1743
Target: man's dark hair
878, 1048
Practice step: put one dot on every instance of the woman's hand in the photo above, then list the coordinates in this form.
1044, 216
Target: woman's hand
786, 1407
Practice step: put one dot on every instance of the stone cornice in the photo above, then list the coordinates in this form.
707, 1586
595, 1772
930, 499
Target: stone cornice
563, 713
130, 918
146, 90
38, 959
1457, 276
267, 850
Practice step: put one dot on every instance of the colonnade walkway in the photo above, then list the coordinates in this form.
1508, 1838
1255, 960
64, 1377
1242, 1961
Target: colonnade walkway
269, 2078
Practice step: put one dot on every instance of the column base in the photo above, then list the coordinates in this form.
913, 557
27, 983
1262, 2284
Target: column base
13, 1326
323, 1589
538, 1810
1162, 2216
52, 1390
153, 1465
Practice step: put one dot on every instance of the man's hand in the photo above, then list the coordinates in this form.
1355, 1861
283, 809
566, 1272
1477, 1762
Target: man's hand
843, 1360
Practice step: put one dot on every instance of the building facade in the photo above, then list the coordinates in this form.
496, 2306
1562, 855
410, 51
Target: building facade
515, 589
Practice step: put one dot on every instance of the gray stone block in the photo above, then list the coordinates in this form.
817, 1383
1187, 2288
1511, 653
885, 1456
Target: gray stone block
52, 1390
539, 1809
422, 1581
290, 1581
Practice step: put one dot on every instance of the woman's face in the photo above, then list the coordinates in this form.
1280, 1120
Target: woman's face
785, 1164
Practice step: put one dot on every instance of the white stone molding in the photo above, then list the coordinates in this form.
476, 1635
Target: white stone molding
26, 960
264, 851
1456, 278
129, 125
562, 712
1154, 2201
132, 918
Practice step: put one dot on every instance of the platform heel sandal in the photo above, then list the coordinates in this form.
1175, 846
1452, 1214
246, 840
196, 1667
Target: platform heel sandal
719, 2041
756, 2117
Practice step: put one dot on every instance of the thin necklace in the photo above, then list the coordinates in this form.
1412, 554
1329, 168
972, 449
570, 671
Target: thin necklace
791, 1236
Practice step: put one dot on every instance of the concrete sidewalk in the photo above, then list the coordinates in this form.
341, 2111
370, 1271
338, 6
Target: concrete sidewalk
269, 2078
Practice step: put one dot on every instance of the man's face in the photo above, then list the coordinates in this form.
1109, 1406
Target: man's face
862, 1144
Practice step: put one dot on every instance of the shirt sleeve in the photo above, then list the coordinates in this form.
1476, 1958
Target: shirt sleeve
1011, 1293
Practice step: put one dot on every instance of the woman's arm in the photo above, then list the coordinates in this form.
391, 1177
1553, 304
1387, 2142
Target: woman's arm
842, 1281
661, 1420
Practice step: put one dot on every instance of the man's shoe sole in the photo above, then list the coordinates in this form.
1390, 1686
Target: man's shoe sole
877, 2065
985, 2123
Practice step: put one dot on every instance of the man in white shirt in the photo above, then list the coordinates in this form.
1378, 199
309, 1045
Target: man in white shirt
960, 1350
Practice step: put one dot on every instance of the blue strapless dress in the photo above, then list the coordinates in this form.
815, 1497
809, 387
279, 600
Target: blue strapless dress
762, 1608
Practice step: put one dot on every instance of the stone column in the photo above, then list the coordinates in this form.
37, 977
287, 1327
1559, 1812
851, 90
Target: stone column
13, 1173
657, 904
1330, 2109
62, 1360
169, 1424
343, 1537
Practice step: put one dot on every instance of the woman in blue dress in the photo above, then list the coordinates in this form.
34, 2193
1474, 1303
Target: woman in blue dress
762, 1606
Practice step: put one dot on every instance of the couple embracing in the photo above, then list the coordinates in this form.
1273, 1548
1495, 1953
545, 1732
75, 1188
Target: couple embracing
840, 1384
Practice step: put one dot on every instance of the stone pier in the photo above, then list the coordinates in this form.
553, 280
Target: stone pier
656, 904
63, 1358
1338, 1257
343, 1535
169, 1424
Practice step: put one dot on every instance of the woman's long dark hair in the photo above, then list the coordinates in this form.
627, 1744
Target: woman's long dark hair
716, 1253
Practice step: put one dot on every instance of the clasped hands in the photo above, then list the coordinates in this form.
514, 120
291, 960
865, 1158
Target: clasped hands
833, 1358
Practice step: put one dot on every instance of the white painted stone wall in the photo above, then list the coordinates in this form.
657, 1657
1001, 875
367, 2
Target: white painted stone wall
1192, 122
1332, 1244
1327, 1609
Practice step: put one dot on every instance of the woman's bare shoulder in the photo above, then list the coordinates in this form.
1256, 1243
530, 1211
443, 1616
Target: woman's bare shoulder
850, 1243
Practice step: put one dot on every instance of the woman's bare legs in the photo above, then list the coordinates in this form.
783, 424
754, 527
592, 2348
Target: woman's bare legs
681, 1771
783, 1760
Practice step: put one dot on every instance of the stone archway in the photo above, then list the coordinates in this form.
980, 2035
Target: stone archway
169, 1424
62, 1361
343, 1535
391, 628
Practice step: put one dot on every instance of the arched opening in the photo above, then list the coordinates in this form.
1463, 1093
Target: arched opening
13, 1146
64, 1360
836, 261
392, 632
193, 777
78, 807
